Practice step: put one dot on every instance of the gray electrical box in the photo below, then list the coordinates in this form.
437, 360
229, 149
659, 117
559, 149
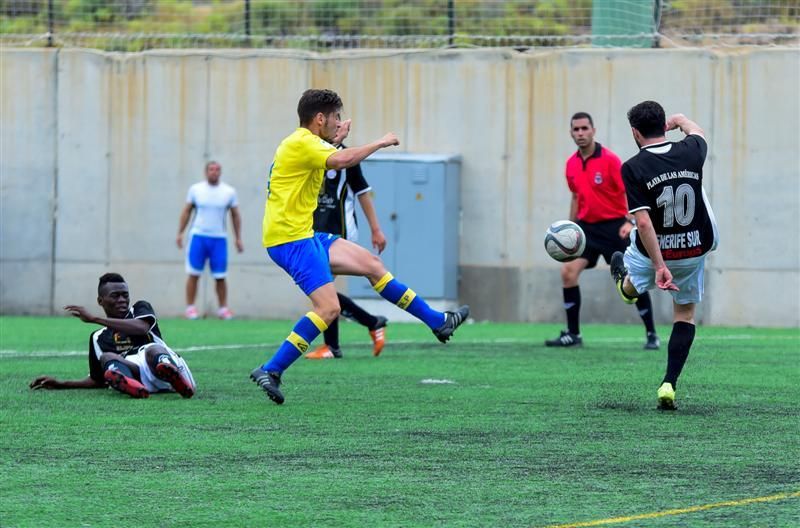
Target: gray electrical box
417, 200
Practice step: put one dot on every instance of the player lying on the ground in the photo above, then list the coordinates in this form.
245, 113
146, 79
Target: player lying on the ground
311, 259
127, 353
675, 227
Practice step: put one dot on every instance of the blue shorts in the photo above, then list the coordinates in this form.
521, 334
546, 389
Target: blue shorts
306, 260
213, 249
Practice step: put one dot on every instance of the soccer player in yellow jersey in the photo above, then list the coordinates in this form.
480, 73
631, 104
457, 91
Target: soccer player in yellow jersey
311, 258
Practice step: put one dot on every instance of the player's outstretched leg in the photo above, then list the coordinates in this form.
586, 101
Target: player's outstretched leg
347, 258
618, 273
443, 325
268, 376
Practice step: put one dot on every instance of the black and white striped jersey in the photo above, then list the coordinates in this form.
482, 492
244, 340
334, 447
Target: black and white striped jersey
336, 211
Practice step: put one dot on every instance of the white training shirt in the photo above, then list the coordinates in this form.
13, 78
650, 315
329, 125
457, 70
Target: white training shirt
211, 203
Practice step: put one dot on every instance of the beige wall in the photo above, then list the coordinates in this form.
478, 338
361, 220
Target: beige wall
99, 149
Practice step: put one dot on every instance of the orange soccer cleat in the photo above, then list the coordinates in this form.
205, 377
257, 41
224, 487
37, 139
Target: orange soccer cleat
378, 336
324, 352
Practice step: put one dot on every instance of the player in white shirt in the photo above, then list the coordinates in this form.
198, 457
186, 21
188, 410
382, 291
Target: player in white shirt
211, 200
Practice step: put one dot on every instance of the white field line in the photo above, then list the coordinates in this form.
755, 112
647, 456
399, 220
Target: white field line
11, 353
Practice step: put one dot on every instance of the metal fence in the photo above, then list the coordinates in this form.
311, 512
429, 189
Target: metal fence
133, 25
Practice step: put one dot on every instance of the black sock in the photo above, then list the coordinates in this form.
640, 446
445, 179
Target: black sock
160, 358
332, 334
680, 341
645, 308
572, 304
353, 311
118, 366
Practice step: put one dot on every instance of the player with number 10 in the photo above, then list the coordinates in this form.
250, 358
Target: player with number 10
675, 227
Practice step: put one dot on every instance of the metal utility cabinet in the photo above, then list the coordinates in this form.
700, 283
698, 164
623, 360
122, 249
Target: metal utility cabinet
417, 200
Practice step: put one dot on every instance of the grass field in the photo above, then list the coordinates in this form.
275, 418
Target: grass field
523, 436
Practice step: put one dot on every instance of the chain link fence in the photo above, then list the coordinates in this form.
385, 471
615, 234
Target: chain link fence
135, 25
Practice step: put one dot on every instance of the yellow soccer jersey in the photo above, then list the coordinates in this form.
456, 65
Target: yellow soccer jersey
294, 184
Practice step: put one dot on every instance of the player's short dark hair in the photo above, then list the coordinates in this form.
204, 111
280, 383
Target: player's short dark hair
107, 278
315, 101
648, 118
212, 162
581, 115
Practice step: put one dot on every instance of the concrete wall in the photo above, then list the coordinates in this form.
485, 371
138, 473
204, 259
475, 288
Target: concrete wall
99, 149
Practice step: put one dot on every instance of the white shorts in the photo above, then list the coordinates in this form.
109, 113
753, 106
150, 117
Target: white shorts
148, 378
687, 274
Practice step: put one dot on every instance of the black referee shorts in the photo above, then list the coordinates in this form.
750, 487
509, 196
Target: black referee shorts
602, 238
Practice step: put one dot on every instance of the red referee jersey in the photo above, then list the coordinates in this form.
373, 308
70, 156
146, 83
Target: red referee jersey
598, 184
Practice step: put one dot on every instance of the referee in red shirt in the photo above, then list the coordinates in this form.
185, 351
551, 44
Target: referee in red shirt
599, 205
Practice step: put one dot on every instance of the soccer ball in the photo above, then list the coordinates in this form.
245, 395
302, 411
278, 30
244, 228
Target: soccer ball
564, 241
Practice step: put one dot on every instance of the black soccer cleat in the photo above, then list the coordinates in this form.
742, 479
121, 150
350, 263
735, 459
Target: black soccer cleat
565, 340
269, 382
618, 273
452, 321
653, 342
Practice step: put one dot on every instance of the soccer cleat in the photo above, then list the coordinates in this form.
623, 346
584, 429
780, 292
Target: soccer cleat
666, 397
192, 313
225, 313
653, 342
378, 335
123, 383
168, 372
269, 382
565, 339
452, 320
618, 273
325, 352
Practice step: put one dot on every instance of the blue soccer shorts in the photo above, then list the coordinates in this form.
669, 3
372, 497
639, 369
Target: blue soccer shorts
306, 260
211, 249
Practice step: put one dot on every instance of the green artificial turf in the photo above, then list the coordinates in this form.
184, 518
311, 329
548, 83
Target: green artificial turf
510, 433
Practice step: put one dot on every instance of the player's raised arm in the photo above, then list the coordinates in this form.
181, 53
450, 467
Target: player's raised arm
345, 158
686, 125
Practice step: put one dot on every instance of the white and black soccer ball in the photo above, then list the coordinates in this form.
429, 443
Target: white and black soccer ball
564, 241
